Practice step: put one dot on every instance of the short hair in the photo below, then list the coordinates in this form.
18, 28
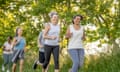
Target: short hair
51, 14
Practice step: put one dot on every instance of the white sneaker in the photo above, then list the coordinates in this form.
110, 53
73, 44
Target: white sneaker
8, 70
3, 68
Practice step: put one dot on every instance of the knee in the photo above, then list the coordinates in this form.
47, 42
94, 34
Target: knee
14, 66
21, 62
76, 63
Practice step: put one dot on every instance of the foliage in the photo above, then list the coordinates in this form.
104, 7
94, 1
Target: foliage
32, 14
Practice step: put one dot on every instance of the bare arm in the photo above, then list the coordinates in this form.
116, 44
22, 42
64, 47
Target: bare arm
45, 34
3, 48
83, 38
68, 34
39, 43
15, 41
25, 49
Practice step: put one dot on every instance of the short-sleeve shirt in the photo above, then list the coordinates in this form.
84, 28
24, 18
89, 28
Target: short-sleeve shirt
7, 46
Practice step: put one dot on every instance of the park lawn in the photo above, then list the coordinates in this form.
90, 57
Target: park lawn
110, 63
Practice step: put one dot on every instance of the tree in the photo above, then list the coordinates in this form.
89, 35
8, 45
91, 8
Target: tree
32, 14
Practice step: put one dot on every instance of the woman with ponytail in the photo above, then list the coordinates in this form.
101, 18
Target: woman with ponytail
19, 44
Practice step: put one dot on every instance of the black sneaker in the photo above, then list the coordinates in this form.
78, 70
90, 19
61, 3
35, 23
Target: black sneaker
35, 64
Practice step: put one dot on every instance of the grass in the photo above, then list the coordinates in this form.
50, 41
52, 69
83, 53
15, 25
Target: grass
105, 63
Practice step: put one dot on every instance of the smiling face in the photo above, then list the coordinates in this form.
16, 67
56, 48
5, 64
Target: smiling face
76, 20
54, 19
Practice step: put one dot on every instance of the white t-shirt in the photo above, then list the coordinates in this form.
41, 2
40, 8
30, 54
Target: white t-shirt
75, 41
7, 46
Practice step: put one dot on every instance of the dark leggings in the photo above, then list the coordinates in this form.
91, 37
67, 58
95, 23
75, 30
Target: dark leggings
48, 51
41, 57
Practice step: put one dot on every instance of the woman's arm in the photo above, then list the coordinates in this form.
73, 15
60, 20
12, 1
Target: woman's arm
45, 33
39, 40
25, 49
68, 34
14, 42
3, 48
83, 38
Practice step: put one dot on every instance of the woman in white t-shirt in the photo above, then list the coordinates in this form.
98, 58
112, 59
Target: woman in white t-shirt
75, 34
7, 54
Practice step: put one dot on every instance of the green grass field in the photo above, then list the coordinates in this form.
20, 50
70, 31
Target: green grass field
105, 63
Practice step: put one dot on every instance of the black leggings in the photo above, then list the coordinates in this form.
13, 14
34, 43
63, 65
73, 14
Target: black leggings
48, 51
41, 57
